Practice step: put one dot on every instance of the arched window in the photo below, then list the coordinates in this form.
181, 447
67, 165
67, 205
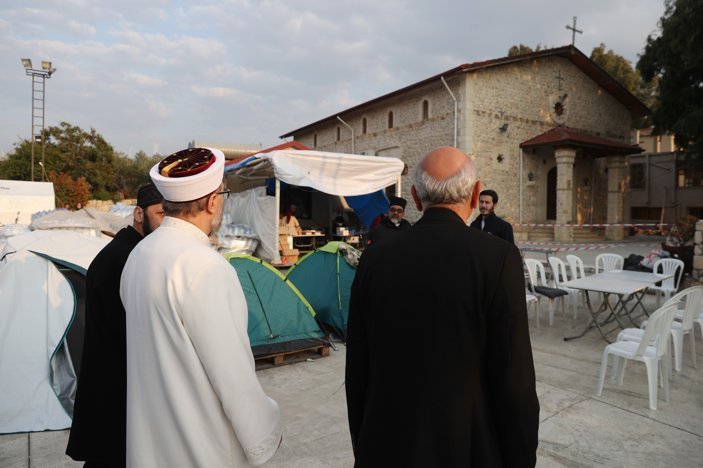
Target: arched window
314, 140
363, 125
425, 109
390, 119
339, 133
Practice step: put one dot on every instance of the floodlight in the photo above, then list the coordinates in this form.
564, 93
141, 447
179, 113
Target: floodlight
46, 65
26, 63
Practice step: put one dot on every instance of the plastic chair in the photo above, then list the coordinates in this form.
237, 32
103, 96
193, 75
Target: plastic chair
684, 320
649, 350
692, 297
669, 286
559, 276
531, 300
539, 288
608, 262
576, 266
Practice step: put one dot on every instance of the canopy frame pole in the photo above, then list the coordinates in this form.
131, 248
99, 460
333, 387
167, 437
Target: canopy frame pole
277, 256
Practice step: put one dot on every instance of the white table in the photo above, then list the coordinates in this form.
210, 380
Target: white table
627, 286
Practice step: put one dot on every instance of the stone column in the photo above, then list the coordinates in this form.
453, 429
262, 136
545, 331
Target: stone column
565, 194
697, 272
617, 185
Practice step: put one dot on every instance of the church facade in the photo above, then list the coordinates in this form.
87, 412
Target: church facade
550, 131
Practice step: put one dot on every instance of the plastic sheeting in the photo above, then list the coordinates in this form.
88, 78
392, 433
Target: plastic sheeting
255, 209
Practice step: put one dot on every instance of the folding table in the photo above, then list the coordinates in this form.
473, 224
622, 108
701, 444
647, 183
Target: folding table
625, 285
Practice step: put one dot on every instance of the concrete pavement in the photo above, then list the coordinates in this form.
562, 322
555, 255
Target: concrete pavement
577, 428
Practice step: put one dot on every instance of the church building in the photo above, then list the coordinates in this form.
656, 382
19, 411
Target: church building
550, 131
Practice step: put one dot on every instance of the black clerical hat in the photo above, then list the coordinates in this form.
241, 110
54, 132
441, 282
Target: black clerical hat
397, 201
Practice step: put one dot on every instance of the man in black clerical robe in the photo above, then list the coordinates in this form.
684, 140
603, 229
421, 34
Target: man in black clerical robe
98, 431
392, 223
488, 221
439, 368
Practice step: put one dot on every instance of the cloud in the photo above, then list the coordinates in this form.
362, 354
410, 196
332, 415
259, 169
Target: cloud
155, 71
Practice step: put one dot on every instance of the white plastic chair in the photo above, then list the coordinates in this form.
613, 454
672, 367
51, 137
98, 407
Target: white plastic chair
668, 266
539, 288
608, 262
684, 320
578, 270
533, 300
559, 277
649, 350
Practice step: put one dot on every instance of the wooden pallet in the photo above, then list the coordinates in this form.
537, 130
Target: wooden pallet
286, 357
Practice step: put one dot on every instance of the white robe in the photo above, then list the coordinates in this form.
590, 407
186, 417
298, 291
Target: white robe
193, 398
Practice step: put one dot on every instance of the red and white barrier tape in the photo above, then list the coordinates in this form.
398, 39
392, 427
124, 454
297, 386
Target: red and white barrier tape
577, 247
590, 225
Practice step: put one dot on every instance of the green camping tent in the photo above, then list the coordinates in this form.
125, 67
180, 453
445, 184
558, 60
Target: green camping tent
280, 319
324, 277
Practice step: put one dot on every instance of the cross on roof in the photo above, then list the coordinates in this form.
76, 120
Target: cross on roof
559, 79
574, 31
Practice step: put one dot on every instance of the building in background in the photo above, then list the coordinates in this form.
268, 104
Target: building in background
550, 130
664, 186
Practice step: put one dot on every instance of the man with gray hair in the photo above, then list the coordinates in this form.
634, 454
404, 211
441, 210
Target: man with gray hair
466, 395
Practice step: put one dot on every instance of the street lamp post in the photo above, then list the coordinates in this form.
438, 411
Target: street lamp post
38, 99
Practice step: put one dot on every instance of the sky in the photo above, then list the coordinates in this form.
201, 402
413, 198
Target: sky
153, 75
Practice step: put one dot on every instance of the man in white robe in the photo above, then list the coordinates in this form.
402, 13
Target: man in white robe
193, 398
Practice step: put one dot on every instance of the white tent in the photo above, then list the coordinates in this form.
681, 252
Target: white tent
331, 173
37, 308
19, 199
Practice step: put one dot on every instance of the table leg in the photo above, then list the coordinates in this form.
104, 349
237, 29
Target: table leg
593, 321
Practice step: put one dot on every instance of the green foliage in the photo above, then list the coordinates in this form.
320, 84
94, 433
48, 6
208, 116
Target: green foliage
675, 56
523, 49
621, 69
76, 153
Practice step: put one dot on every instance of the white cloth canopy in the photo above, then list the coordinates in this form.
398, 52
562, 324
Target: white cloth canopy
332, 173
335, 173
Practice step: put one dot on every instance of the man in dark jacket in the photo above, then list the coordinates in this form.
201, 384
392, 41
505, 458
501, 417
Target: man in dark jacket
392, 223
488, 221
98, 432
439, 365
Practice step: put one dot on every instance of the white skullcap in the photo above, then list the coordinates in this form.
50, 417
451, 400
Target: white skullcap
182, 178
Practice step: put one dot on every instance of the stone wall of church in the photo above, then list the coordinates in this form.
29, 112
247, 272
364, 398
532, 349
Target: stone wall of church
524, 96
498, 109
411, 136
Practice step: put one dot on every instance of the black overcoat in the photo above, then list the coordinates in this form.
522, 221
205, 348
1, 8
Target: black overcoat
439, 364
496, 226
98, 432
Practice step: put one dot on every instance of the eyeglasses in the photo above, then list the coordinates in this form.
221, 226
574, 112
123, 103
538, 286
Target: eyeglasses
225, 192
396, 210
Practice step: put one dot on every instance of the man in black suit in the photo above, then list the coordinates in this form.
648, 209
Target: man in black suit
439, 363
98, 433
392, 223
488, 221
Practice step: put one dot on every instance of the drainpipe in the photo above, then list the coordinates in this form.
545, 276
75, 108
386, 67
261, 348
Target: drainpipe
520, 217
350, 128
456, 107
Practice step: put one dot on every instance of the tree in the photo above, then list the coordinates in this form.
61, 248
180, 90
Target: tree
69, 192
675, 56
75, 153
621, 69
523, 49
